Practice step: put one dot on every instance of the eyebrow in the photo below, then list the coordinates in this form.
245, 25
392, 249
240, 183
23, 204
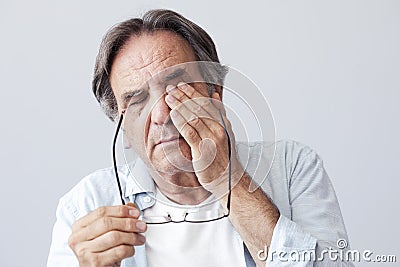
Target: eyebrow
177, 73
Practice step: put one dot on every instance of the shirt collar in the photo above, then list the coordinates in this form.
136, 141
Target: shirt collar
138, 179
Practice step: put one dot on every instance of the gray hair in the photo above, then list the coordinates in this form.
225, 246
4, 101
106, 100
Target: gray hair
153, 20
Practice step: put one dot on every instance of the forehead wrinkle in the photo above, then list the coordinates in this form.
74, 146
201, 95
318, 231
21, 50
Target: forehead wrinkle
133, 63
136, 77
159, 55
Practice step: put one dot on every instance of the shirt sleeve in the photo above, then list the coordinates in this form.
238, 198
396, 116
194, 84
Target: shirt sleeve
60, 253
316, 226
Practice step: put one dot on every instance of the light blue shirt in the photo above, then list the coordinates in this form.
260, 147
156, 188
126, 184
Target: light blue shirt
310, 218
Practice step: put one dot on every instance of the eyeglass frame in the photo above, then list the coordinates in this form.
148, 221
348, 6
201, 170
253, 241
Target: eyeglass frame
228, 204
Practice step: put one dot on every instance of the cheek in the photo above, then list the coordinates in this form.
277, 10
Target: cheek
201, 88
134, 132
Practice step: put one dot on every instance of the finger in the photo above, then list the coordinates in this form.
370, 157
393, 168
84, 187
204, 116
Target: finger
212, 106
106, 224
130, 204
185, 129
114, 255
192, 114
210, 122
210, 110
184, 92
189, 96
114, 239
191, 109
216, 96
106, 211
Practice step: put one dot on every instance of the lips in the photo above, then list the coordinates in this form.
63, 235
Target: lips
168, 139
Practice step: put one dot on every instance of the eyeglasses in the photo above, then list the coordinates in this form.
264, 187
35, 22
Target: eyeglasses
189, 217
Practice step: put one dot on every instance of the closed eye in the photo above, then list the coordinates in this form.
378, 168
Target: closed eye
135, 97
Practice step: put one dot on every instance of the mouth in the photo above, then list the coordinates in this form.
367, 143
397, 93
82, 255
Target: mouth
169, 140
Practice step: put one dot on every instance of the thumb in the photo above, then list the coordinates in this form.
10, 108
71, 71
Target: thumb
130, 204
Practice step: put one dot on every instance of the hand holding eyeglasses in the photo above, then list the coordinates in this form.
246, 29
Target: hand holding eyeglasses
107, 235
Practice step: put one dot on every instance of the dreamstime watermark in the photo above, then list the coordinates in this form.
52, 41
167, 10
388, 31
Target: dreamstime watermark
341, 253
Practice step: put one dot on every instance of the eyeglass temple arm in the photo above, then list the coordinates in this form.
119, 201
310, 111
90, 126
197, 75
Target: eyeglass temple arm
114, 156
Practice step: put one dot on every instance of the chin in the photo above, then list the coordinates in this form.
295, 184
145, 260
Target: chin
170, 169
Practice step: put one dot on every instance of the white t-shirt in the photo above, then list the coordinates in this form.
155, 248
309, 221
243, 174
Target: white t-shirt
191, 244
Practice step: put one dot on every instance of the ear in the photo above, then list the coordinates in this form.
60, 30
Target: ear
218, 89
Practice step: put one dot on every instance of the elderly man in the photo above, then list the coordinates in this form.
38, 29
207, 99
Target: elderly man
295, 209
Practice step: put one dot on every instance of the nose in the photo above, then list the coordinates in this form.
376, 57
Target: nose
160, 112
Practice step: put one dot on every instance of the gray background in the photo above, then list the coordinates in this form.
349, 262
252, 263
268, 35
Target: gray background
330, 70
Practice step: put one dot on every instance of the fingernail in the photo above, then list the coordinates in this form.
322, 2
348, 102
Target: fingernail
141, 239
169, 88
170, 99
183, 86
141, 225
134, 212
216, 96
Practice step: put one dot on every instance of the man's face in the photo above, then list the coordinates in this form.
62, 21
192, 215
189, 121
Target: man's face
137, 88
